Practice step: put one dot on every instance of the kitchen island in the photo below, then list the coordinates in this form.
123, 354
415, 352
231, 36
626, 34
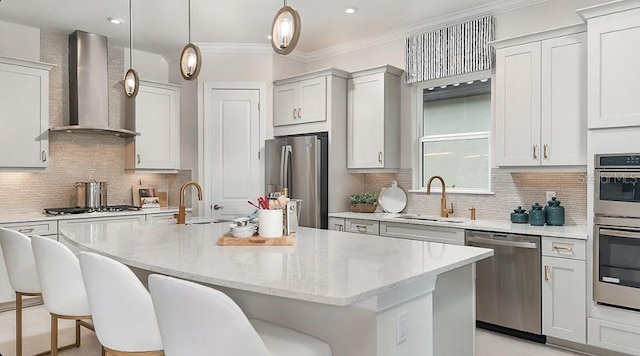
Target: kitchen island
364, 295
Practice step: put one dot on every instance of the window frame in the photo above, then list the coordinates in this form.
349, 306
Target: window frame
419, 137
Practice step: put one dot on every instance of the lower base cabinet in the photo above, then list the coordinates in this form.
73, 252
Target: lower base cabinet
336, 224
445, 235
614, 336
563, 299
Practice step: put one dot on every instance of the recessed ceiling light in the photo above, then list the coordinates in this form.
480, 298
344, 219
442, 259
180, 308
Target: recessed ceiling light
351, 10
115, 20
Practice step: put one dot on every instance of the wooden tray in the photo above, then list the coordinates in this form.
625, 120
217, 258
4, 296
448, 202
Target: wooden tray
255, 240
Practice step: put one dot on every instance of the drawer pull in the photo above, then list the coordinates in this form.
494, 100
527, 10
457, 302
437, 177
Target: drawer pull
339, 227
563, 248
26, 230
361, 228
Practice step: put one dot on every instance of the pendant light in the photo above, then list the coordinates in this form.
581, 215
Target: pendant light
131, 79
285, 30
191, 58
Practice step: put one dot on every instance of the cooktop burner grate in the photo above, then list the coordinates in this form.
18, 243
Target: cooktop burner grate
77, 210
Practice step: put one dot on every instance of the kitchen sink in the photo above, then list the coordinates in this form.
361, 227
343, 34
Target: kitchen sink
429, 218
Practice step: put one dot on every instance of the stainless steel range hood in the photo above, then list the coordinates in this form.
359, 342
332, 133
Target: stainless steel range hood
89, 87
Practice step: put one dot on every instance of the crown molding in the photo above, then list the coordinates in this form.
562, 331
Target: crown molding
420, 27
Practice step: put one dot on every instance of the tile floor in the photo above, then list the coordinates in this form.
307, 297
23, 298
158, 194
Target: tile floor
36, 325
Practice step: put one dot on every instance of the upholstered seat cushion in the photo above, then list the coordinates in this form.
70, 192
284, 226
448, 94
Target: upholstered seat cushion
283, 341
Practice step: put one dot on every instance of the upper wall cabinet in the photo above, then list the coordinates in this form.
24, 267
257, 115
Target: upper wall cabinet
373, 120
541, 99
155, 114
305, 103
24, 113
614, 54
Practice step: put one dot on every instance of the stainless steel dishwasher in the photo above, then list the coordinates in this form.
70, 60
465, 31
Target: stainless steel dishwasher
508, 284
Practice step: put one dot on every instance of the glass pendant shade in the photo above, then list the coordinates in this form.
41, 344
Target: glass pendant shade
190, 62
131, 83
285, 30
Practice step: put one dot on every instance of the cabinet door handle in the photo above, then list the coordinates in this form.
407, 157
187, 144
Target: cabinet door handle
546, 273
545, 147
535, 151
294, 113
26, 230
563, 248
380, 156
138, 158
299, 113
339, 227
44, 156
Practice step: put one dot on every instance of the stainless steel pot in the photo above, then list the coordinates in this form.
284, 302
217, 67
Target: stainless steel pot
91, 195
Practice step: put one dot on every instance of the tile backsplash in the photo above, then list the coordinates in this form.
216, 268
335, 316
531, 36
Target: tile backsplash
75, 157
509, 191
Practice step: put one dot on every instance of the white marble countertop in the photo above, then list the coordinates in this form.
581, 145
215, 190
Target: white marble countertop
567, 231
41, 216
324, 266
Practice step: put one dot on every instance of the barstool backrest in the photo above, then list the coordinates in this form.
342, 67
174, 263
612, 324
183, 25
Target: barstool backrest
61, 281
197, 320
18, 257
121, 307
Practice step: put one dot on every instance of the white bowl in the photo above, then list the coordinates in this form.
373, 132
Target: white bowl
247, 233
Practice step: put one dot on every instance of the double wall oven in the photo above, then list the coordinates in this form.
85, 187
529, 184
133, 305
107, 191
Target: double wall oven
617, 230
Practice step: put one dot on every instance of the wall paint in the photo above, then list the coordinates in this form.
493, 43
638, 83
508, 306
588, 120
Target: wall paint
19, 41
150, 66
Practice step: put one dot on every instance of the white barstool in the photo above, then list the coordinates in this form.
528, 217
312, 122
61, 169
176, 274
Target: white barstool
62, 286
122, 311
21, 268
197, 320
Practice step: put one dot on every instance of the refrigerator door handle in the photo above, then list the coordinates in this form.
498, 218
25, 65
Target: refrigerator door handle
286, 151
282, 165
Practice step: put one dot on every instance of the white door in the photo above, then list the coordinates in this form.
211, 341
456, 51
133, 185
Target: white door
235, 145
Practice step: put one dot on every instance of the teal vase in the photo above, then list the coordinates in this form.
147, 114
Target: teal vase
537, 215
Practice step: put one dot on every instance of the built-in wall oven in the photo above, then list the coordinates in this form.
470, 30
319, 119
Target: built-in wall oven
617, 230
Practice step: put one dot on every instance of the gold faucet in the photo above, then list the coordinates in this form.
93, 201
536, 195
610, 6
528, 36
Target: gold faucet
444, 212
181, 216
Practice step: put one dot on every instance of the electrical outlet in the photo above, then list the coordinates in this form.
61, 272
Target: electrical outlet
550, 195
402, 328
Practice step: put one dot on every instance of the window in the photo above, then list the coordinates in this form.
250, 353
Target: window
454, 135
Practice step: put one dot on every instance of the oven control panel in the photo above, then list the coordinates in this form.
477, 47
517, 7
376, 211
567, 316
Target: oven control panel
612, 161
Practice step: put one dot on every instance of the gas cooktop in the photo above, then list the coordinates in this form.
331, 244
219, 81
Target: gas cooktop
77, 210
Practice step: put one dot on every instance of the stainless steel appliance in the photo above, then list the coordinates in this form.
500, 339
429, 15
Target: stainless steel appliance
617, 189
300, 164
616, 252
78, 210
616, 261
508, 290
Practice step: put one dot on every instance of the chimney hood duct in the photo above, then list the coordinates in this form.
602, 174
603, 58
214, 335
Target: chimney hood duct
89, 87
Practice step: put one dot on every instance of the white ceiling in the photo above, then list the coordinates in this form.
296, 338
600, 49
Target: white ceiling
160, 26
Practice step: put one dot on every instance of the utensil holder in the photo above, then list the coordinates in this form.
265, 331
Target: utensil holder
270, 222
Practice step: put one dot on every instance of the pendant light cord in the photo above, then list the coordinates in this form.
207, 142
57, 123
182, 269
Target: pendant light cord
130, 38
189, 21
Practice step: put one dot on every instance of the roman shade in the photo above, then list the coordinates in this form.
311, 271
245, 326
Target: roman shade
453, 50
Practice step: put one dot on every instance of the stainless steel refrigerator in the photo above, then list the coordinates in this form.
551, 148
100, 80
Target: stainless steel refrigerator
299, 163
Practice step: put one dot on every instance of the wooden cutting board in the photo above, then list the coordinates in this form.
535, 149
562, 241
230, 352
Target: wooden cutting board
255, 240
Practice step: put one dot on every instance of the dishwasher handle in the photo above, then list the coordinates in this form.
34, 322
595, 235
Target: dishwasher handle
495, 242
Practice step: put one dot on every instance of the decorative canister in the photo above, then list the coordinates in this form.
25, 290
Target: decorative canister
554, 212
519, 216
536, 215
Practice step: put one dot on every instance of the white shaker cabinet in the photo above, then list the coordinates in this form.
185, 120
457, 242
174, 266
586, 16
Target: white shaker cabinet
336, 224
373, 120
155, 114
541, 99
563, 289
301, 102
24, 113
614, 54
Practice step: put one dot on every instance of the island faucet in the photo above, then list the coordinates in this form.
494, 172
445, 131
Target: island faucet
181, 216
444, 212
